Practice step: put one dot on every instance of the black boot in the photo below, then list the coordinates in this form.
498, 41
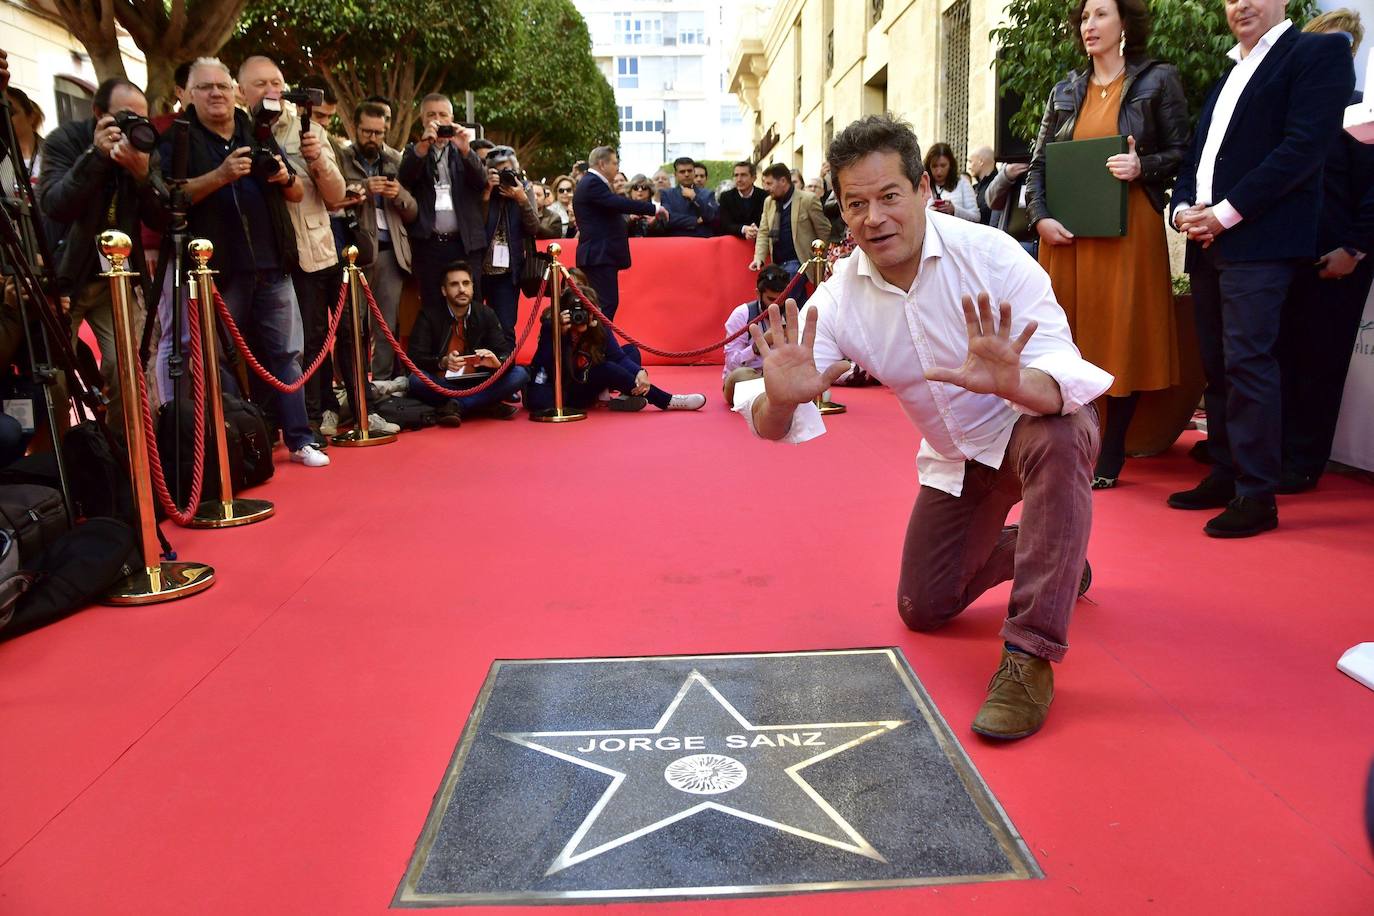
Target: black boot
1245, 516
1213, 493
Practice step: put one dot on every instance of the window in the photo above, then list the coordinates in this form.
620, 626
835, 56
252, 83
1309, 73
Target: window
634, 29
955, 29
629, 124
73, 98
691, 28
627, 72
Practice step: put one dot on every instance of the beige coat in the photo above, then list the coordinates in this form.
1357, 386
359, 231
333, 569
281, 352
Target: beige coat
322, 182
400, 211
808, 224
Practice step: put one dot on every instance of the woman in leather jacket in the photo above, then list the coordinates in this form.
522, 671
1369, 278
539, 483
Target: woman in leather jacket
1116, 291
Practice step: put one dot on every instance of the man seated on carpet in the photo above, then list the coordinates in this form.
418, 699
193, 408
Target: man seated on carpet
458, 345
742, 360
1012, 422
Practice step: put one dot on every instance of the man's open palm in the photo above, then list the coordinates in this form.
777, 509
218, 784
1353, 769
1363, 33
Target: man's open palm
789, 363
993, 365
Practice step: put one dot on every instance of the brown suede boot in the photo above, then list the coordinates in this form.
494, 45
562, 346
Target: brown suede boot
1019, 696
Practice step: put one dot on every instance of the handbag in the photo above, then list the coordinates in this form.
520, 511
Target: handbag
536, 264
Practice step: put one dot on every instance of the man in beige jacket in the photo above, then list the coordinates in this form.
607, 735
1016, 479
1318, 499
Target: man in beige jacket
792, 220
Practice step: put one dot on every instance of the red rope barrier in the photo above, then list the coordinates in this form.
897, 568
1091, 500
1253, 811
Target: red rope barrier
380, 321
680, 354
259, 368
164, 497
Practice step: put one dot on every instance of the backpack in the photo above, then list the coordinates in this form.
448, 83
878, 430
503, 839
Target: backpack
406, 413
36, 517
76, 569
248, 445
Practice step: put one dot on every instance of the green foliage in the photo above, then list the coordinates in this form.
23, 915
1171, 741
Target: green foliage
1039, 50
554, 105
718, 170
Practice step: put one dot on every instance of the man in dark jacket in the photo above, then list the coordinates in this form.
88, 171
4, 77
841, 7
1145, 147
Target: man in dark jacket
1246, 198
603, 246
93, 178
741, 207
443, 172
238, 187
459, 344
692, 211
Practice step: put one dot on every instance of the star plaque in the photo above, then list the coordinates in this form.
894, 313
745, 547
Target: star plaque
695, 776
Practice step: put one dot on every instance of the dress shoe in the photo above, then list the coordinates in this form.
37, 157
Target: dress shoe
1213, 493
503, 411
627, 403
1245, 516
1085, 581
1019, 696
1291, 482
448, 415
1201, 452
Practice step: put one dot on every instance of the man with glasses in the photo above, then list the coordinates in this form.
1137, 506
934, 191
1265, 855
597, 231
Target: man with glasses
239, 189
442, 171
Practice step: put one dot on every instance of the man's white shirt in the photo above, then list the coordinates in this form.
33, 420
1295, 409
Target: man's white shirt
897, 335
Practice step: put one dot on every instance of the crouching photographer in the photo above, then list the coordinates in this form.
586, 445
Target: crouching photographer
98, 174
594, 362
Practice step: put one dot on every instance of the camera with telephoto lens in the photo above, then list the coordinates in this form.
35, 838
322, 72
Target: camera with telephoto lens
265, 114
509, 178
140, 131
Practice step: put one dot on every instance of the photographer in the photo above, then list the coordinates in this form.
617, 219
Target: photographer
98, 174
594, 362
382, 210
240, 187
443, 172
511, 225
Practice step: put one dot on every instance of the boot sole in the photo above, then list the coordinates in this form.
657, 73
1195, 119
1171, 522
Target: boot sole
1193, 507
1247, 533
997, 736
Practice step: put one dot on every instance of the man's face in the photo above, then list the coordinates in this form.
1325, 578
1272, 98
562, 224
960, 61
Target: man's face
686, 174
458, 289
781, 189
259, 80
767, 183
322, 114
541, 196
609, 167
661, 180
1250, 19
371, 130
769, 296
884, 212
437, 112
699, 176
212, 93
126, 98
744, 180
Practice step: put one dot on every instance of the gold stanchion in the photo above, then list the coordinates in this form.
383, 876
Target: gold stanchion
819, 268
227, 511
358, 436
157, 581
557, 413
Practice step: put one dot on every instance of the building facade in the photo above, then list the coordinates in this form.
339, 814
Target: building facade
666, 61
816, 65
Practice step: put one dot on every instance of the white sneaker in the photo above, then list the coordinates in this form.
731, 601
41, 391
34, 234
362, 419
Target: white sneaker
376, 423
329, 424
310, 456
396, 388
687, 402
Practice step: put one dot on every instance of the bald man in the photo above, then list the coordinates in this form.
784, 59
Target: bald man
982, 168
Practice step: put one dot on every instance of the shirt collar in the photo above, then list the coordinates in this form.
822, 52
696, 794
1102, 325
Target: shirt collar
932, 246
602, 177
1266, 41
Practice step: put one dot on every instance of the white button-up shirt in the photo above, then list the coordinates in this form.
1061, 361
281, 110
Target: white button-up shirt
1231, 91
898, 334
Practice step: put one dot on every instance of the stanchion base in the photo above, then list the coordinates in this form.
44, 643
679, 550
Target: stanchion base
829, 407
216, 513
164, 582
558, 415
358, 439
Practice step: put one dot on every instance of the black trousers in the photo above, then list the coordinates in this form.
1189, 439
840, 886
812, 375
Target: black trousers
1238, 305
605, 279
430, 256
317, 293
1320, 321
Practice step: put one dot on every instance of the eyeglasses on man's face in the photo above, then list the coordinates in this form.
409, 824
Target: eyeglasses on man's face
370, 132
224, 88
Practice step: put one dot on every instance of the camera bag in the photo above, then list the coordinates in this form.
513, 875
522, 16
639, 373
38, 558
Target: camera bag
532, 271
34, 515
98, 473
247, 443
406, 413
75, 569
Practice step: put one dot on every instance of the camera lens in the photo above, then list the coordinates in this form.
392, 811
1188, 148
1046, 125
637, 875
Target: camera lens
140, 131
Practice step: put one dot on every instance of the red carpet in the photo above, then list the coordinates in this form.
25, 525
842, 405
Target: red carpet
272, 746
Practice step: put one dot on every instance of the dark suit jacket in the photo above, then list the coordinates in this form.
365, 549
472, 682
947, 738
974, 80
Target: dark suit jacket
1269, 164
683, 213
1347, 213
434, 326
602, 239
736, 212
467, 180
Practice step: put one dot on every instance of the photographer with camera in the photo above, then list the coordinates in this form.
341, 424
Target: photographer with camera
594, 362
239, 191
443, 172
511, 226
97, 174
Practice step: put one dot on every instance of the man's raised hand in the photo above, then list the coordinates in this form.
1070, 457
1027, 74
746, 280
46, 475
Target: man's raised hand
789, 363
993, 365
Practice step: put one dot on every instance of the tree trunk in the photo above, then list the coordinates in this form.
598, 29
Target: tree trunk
161, 89
92, 22
107, 61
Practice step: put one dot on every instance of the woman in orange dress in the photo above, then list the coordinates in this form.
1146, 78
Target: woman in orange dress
1117, 291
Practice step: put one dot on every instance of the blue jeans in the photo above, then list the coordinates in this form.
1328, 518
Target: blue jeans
515, 378
263, 305
503, 299
799, 291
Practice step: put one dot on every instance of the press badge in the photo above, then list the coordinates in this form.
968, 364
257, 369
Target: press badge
22, 410
500, 256
443, 197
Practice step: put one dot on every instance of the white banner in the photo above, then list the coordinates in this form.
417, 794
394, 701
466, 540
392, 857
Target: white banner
1354, 444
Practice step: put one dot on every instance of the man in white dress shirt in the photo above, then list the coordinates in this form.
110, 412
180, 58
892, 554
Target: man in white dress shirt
1011, 423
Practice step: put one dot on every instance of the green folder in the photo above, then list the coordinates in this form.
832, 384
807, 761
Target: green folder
1080, 192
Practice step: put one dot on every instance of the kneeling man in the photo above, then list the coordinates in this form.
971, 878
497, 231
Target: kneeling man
459, 344
1001, 396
